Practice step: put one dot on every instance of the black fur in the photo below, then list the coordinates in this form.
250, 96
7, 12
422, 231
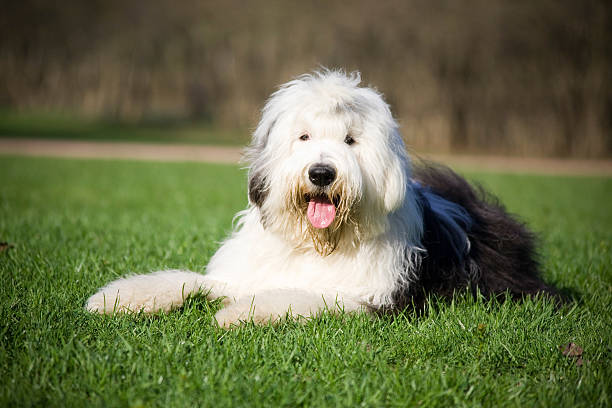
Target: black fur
258, 190
501, 256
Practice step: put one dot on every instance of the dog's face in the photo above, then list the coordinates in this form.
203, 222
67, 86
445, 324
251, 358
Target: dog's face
327, 162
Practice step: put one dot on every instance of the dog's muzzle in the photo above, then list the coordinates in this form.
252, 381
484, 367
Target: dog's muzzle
321, 208
321, 174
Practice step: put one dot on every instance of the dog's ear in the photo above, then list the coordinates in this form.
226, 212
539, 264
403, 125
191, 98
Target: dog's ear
393, 172
258, 188
262, 134
260, 139
255, 155
275, 107
396, 178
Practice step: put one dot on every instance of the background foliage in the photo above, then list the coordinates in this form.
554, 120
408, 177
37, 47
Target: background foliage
521, 77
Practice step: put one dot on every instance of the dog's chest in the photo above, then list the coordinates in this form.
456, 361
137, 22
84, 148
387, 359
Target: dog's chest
365, 276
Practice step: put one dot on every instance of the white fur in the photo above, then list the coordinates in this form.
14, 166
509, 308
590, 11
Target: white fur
271, 266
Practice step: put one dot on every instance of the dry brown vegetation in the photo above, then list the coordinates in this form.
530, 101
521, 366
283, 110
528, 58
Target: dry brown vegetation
520, 77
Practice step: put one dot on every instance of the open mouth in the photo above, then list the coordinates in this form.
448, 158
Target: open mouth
321, 211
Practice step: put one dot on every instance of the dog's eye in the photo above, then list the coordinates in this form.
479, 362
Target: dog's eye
304, 137
349, 140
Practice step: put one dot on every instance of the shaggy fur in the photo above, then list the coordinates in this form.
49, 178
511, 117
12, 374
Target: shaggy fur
372, 235
501, 256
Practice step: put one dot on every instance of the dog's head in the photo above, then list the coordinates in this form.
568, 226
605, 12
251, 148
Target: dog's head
327, 162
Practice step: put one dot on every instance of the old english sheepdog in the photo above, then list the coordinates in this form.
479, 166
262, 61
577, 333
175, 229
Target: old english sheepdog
338, 219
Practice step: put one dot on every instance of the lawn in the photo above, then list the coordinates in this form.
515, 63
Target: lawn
72, 226
50, 125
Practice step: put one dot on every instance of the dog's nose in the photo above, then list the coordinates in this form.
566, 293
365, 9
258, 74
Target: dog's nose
321, 174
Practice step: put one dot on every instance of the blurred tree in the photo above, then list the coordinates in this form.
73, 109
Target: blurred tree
499, 76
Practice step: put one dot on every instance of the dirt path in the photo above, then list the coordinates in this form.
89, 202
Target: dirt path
119, 150
223, 154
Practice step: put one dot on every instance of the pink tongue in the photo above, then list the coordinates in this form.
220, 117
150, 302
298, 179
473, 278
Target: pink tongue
321, 212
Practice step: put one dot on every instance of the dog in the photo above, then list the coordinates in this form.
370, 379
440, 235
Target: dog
340, 219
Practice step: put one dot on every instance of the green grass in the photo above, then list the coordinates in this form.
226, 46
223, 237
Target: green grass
49, 125
76, 225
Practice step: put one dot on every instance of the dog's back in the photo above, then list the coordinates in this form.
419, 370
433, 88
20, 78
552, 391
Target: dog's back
501, 255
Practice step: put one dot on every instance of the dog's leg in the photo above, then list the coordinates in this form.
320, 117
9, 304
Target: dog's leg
274, 305
159, 291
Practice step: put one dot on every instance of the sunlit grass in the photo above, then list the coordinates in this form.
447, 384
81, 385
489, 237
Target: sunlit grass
76, 225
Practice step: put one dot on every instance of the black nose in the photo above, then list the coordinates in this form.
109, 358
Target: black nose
321, 174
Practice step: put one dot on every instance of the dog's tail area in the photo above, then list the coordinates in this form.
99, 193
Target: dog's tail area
159, 291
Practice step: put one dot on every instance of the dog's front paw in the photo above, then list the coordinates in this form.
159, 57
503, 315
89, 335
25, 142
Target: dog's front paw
239, 313
104, 303
231, 316
109, 301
